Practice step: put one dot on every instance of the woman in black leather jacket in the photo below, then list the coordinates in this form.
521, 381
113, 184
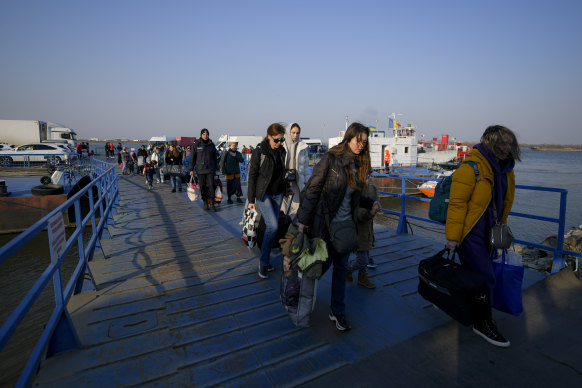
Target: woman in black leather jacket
266, 186
336, 183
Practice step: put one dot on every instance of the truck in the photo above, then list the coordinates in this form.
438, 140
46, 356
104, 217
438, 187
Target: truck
242, 140
34, 131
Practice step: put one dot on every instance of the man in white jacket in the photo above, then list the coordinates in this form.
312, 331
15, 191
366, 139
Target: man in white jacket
298, 160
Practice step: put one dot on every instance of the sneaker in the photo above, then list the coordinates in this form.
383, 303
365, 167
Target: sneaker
263, 272
269, 268
489, 332
364, 280
340, 321
349, 277
371, 263
239, 200
229, 201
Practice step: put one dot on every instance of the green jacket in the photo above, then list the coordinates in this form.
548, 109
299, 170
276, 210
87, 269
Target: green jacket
231, 164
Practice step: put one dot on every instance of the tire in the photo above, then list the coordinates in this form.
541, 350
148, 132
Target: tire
51, 168
5, 159
49, 189
57, 160
45, 180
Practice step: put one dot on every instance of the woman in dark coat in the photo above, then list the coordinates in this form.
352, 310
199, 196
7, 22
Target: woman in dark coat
266, 185
336, 184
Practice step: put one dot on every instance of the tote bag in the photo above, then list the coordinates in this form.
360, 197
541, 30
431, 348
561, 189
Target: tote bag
508, 280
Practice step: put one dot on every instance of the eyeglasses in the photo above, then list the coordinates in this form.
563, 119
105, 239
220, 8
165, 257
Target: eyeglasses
277, 141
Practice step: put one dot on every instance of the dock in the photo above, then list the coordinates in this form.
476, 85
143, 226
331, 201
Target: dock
179, 303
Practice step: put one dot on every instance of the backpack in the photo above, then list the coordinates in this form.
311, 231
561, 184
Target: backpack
439, 204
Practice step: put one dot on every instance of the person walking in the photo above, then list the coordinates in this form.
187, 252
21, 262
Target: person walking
159, 159
142, 155
111, 151
174, 163
124, 157
296, 165
118, 152
366, 240
203, 160
107, 150
266, 186
230, 167
470, 213
336, 185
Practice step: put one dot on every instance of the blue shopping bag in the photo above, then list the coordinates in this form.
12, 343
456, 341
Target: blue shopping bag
508, 280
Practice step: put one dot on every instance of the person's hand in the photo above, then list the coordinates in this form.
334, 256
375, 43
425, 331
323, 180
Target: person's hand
252, 206
191, 173
452, 245
376, 207
301, 228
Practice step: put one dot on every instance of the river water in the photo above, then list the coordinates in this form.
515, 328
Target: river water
559, 169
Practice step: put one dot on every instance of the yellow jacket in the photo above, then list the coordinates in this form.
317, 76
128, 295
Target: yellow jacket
469, 199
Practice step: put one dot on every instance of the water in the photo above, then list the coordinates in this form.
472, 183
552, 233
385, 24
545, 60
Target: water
559, 169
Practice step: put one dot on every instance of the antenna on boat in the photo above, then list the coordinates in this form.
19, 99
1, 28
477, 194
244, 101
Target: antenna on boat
346, 122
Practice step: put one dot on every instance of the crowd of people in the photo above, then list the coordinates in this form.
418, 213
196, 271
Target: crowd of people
338, 195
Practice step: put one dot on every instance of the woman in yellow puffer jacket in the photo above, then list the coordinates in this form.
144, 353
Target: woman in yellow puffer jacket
470, 212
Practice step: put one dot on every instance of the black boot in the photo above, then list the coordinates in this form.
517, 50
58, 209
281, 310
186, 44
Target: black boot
206, 206
212, 206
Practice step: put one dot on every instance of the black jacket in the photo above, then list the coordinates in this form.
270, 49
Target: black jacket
260, 173
329, 182
173, 161
204, 157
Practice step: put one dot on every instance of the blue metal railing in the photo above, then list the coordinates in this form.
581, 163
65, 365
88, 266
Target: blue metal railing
559, 260
59, 334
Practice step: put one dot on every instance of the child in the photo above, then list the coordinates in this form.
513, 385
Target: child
149, 171
366, 239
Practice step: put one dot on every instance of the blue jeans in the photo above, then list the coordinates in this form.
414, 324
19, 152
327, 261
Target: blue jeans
338, 278
361, 262
175, 178
269, 207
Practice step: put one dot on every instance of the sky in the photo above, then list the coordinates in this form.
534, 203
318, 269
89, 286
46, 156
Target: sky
135, 69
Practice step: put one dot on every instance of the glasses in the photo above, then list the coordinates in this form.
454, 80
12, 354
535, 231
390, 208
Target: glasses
277, 141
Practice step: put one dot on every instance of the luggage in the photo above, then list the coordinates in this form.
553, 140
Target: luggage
456, 290
298, 295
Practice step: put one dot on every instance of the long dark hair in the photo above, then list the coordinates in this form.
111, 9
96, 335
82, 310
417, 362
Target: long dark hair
274, 130
493, 136
363, 164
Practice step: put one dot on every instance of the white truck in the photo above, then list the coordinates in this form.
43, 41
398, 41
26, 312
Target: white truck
30, 131
242, 140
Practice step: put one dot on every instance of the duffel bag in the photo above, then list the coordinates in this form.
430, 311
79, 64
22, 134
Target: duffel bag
454, 289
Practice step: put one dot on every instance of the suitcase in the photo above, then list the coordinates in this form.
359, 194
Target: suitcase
454, 289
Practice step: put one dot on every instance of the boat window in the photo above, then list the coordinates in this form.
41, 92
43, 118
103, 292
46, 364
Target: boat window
65, 135
405, 150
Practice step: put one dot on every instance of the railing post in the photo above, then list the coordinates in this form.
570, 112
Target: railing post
402, 223
559, 261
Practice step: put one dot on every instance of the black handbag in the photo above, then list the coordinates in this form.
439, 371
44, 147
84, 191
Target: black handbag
456, 290
500, 236
343, 235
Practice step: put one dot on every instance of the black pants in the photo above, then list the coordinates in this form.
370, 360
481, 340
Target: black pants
206, 183
233, 187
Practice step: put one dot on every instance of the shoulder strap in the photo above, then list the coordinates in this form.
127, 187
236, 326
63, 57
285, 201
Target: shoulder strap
474, 165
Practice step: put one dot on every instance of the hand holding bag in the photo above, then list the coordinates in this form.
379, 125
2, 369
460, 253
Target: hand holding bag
508, 280
193, 190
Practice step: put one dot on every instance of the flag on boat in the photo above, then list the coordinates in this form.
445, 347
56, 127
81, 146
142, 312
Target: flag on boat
393, 124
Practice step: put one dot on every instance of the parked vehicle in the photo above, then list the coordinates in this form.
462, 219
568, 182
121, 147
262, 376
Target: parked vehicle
4, 146
38, 152
29, 131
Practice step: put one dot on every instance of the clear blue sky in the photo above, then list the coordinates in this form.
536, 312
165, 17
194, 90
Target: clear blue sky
136, 69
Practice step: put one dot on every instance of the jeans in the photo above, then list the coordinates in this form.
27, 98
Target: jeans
175, 178
125, 169
338, 278
159, 175
361, 262
150, 179
269, 207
